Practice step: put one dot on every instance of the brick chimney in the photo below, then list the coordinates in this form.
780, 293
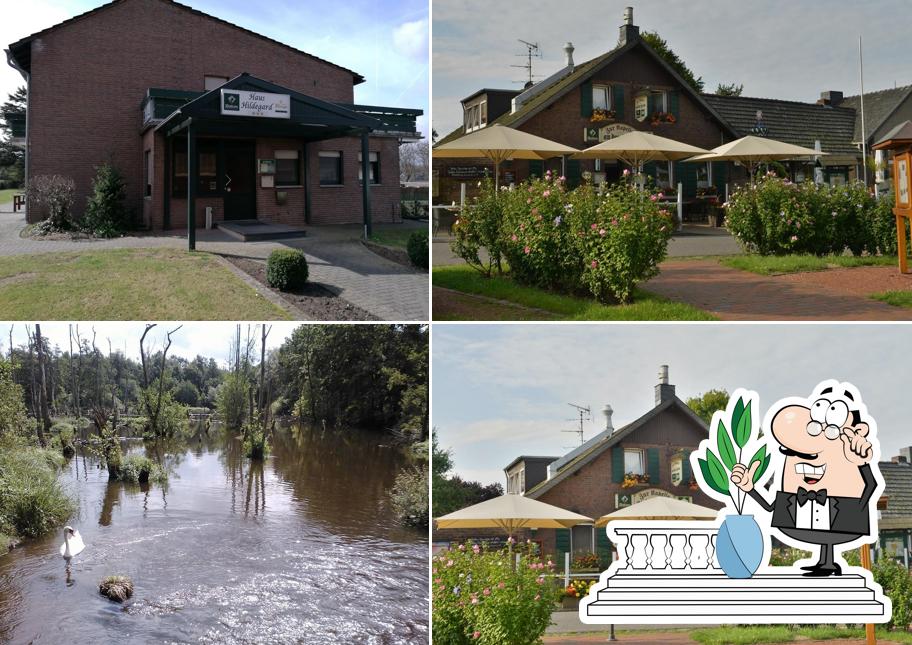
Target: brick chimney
663, 391
629, 31
830, 97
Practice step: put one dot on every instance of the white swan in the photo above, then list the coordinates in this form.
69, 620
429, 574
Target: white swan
72, 543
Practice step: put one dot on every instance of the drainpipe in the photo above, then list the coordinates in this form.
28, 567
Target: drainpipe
365, 182
11, 61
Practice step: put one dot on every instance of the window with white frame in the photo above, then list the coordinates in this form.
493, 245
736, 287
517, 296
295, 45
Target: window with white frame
659, 100
374, 167
704, 175
601, 97
664, 174
213, 82
288, 168
476, 115
634, 462
581, 539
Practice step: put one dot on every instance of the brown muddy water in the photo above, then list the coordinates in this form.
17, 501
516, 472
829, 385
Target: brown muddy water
301, 549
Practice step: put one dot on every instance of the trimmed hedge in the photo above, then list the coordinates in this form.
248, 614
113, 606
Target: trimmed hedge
286, 269
417, 248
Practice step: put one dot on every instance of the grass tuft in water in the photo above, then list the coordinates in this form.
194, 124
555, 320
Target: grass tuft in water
137, 469
116, 588
409, 497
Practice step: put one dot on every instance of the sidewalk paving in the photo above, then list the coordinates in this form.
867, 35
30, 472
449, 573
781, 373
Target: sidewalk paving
733, 294
335, 257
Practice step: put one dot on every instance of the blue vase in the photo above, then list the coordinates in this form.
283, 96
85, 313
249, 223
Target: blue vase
739, 546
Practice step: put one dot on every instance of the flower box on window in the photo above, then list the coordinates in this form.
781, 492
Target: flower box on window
660, 118
601, 115
632, 479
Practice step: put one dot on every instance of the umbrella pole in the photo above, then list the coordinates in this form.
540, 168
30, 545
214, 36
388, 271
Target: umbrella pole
497, 174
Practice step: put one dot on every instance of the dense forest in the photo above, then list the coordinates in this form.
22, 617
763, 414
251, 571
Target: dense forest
89, 394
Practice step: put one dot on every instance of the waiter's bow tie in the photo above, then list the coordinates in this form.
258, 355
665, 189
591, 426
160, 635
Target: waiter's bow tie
819, 496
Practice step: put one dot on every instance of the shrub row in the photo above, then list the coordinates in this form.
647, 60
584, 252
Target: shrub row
776, 217
578, 241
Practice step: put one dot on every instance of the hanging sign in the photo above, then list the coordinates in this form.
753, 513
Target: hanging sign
641, 107
810, 479
260, 104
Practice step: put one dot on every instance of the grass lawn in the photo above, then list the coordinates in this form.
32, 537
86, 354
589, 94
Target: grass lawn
6, 195
127, 284
773, 264
646, 306
895, 298
397, 237
758, 634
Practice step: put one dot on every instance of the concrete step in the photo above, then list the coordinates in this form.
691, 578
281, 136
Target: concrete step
259, 230
745, 593
720, 580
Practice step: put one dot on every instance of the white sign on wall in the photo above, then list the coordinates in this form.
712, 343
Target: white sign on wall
641, 107
261, 104
614, 130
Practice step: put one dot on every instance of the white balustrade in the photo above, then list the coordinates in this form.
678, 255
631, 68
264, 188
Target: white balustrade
667, 549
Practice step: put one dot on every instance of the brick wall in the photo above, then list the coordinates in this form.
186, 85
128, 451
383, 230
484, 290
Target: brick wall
89, 79
562, 121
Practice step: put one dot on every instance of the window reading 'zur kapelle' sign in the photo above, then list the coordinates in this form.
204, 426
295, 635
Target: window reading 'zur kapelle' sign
171, 84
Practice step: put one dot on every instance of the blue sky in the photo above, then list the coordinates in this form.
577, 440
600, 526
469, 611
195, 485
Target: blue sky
386, 42
500, 391
777, 48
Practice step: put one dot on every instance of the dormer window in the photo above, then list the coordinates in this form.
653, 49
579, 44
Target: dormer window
476, 115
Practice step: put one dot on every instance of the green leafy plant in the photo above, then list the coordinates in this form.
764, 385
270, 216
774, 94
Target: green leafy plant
478, 230
106, 212
417, 248
286, 269
716, 470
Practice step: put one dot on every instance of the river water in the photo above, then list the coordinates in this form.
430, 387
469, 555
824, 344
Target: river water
301, 549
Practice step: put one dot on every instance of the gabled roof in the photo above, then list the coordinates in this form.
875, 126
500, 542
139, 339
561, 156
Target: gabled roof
528, 458
598, 448
879, 106
793, 122
580, 74
20, 51
898, 491
490, 90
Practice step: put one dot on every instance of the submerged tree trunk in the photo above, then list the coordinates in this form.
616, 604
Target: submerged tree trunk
44, 426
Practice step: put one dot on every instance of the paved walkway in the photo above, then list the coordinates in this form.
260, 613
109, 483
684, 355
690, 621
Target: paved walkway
733, 294
335, 257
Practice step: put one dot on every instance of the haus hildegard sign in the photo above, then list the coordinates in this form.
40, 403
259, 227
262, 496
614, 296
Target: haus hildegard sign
260, 104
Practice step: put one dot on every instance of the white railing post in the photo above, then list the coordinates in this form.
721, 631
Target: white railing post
666, 549
566, 569
680, 206
462, 193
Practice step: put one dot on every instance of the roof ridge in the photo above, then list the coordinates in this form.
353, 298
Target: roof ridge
900, 88
763, 98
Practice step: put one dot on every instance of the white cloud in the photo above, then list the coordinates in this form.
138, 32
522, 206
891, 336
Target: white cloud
411, 39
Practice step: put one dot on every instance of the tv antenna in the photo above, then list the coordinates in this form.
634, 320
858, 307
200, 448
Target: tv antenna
532, 51
584, 414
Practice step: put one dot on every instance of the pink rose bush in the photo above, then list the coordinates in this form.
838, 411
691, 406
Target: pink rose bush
482, 599
776, 217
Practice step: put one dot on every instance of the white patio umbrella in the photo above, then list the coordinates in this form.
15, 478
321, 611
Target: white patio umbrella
660, 508
499, 143
751, 150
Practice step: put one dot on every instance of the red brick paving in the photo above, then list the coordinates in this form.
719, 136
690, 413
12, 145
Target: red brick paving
733, 294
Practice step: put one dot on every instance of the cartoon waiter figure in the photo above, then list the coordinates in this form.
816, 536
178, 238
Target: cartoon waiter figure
827, 478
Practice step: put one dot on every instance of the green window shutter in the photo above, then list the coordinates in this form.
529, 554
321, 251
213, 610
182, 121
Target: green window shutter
617, 464
561, 545
686, 173
617, 92
720, 176
536, 168
652, 465
686, 472
673, 106
586, 99
650, 105
602, 545
573, 173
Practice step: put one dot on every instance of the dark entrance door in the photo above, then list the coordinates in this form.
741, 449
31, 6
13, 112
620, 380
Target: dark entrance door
239, 180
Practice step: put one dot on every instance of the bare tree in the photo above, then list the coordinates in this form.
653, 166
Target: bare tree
44, 426
413, 161
154, 411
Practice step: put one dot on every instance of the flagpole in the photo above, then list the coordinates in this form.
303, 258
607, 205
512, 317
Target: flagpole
864, 136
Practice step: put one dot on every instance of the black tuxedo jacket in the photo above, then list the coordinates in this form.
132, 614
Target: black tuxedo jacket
847, 514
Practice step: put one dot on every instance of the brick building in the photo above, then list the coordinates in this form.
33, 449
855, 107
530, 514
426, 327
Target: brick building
631, 87
615, 468
200, 113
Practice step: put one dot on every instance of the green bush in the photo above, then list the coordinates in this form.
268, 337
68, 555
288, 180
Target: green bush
137, 469
776, 217
63, 438
12, 406
256, 443
106, 213
897, 584
286, 269
32, 502
478, 231
409, 497
478, 597
417, 248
